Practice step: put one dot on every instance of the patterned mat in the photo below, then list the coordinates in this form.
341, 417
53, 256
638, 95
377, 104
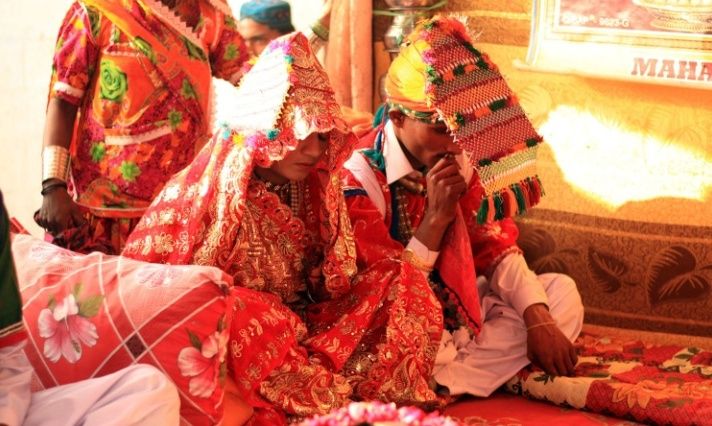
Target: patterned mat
629, 379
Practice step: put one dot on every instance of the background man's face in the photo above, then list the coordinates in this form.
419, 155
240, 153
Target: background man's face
257, 36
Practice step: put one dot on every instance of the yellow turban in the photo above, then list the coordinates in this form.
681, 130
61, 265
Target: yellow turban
406, 81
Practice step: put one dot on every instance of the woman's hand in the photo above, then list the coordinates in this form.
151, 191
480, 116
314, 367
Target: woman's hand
59, 212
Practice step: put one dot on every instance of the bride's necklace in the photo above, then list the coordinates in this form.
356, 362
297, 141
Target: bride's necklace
290, 193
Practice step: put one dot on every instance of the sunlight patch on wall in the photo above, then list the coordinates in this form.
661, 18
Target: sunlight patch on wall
614, 165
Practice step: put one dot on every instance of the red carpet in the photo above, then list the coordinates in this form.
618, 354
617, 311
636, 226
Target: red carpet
510, 410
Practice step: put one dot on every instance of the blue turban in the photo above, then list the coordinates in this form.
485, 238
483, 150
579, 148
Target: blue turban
275, 14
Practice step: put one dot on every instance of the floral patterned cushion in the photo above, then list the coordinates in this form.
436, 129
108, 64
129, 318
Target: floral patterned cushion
90, 315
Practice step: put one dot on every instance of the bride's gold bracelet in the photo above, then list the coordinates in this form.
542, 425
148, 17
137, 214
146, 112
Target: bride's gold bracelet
415, 260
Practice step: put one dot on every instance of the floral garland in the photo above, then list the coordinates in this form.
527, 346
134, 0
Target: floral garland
379, 414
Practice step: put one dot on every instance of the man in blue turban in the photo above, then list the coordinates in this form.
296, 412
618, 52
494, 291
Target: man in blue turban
262, 21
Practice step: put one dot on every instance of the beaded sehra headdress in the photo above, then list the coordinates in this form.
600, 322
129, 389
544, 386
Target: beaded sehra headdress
439, 75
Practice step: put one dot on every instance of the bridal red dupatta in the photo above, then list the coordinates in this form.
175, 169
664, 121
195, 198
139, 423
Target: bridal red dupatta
310, 332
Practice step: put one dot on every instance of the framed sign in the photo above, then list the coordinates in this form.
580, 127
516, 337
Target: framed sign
656, 41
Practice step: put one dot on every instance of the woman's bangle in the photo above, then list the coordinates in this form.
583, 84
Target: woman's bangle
55, 163
320, 30
50, 187
412, 258
541, 324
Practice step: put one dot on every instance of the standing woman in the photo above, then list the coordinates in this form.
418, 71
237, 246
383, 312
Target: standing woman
129, 105
263, 201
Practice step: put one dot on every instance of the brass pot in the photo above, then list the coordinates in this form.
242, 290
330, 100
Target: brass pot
407, 4
401, 27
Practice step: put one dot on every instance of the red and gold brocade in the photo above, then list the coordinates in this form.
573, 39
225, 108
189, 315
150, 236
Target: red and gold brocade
310, 333
378, 340
374, 235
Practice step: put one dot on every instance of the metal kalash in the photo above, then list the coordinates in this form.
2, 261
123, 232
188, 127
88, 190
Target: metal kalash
406, 14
